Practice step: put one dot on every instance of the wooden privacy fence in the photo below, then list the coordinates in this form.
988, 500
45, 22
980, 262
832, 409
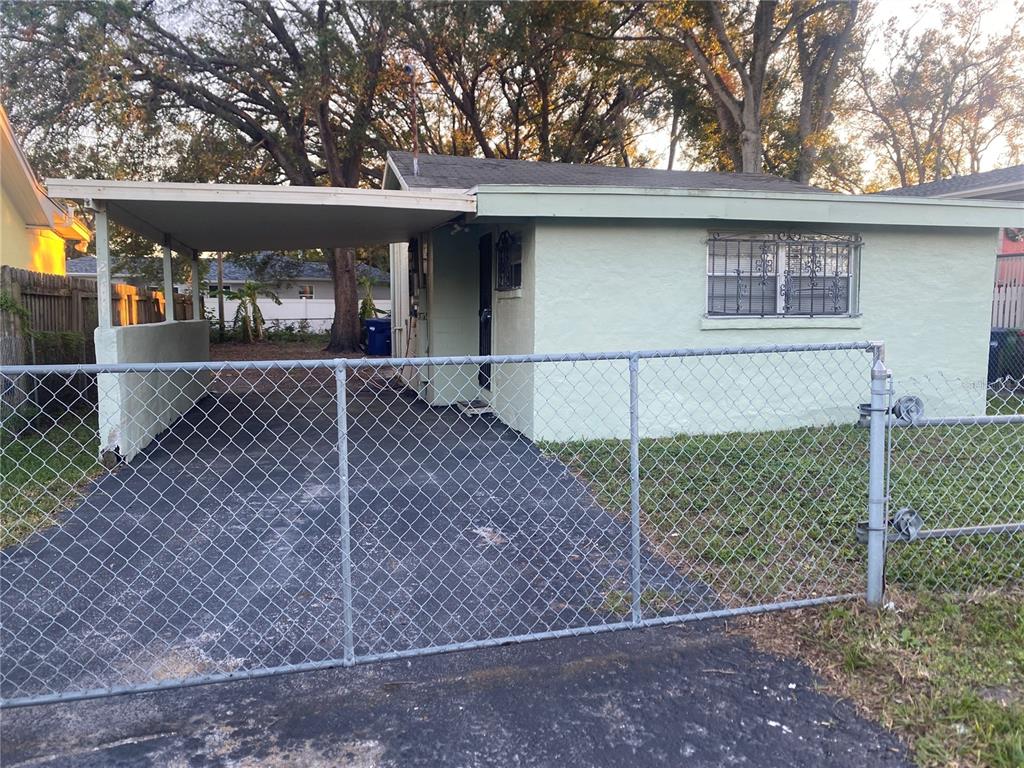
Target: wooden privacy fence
46, 319
1008, 305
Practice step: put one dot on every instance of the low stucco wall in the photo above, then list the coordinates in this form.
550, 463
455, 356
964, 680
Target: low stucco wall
925, 292
136, 407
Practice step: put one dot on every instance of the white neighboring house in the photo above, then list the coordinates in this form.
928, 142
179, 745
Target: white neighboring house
306, 294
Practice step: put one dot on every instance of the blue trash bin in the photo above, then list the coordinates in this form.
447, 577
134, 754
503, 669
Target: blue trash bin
378, 336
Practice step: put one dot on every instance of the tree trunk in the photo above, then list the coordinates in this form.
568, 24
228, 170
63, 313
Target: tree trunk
345, 331
750, 145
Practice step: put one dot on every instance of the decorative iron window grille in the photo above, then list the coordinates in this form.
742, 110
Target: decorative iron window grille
510, 261
785, 274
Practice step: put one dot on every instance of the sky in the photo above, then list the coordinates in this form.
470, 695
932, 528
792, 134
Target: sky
907, 13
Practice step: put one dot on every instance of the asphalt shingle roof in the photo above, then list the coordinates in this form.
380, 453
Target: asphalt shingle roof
82, 265
962, 184
448, 172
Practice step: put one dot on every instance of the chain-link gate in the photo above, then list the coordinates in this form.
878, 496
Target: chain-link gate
955, 484
173, 524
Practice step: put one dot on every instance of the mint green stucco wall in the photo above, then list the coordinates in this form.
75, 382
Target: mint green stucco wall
605, 285
451, 312
621, 286
512, 384
452, 323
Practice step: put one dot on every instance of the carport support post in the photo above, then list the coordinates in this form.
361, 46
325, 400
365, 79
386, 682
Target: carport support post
634, 487
340, 376
104, 298
169, 315
876, 481
197, 302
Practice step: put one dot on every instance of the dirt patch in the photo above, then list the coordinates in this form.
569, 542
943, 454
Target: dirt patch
274, 350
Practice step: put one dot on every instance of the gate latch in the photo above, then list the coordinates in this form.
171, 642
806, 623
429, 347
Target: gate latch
905, 525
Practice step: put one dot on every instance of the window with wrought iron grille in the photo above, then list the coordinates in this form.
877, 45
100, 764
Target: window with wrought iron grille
785, 274
510, 261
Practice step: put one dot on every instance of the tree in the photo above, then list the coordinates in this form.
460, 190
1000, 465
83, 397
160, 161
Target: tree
248, 315
739, 52
297, 83
944, 96
528, 80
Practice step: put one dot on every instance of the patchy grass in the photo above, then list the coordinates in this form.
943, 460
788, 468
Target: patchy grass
946, 673
766, 516
42, 471
619, 602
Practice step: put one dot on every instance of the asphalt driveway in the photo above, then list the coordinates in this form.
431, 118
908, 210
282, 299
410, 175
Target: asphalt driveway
219, 548
673, 696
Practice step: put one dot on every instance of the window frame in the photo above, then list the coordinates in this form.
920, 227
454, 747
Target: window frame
775, 253
312, 291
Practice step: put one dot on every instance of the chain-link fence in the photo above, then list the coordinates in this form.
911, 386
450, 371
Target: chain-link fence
181, 523
956, 483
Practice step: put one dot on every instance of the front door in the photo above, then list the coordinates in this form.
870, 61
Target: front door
486, 256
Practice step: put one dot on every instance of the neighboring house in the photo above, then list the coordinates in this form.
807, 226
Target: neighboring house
33, 227
566, 258
1000, 184
304, 288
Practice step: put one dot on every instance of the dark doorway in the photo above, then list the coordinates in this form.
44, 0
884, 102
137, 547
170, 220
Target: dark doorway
486, 251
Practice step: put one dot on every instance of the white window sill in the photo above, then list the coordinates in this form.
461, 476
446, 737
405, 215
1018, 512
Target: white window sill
516, 293
771, 323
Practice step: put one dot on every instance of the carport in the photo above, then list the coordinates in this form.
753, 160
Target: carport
191, 219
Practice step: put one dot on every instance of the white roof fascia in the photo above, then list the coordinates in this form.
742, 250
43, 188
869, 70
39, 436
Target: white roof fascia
253, 216
743, 205
91, 189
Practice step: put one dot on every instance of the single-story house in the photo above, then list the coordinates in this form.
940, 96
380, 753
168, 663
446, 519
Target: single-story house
502, 256
33, 226
584, 258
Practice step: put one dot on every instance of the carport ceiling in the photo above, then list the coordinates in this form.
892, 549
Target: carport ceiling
247, 217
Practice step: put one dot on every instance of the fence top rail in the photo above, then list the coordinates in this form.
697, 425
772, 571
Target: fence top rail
395, 362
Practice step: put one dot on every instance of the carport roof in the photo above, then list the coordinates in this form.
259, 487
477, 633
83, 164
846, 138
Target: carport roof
249, 217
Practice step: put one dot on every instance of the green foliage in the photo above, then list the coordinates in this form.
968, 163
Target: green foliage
249, 321
945, 672
11, 306
705, 505
42, 471
367, 309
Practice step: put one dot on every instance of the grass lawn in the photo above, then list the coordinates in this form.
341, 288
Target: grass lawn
42, 471
769, 516
944, 672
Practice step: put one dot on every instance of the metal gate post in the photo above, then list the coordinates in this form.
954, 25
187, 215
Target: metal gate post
876, 481
340, 378
634, 486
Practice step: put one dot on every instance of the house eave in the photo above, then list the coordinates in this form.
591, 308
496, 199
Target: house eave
742, 205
